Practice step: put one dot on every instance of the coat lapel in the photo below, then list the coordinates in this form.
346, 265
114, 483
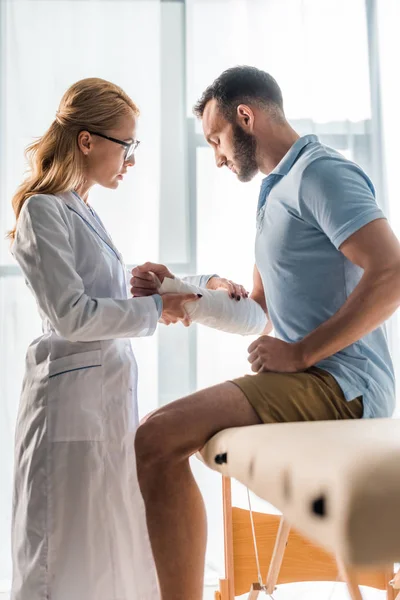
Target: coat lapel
77, 205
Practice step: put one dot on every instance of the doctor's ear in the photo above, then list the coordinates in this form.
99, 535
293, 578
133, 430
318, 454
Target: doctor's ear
85, 142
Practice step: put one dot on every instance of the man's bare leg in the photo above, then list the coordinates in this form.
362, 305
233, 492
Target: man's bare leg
174, 507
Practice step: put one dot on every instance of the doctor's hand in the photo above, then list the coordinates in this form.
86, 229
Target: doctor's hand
174, 308
145, 278
270, 354
235, 290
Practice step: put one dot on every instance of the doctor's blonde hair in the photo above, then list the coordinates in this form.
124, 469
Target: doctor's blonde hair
55, 161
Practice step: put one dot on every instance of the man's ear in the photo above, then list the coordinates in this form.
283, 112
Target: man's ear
245, 117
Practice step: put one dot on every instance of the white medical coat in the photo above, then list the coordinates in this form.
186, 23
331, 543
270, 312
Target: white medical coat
79, 530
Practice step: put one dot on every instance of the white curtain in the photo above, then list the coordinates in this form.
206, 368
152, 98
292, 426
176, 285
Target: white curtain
45, 47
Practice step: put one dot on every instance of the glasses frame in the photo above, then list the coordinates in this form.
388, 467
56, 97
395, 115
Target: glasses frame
130, 147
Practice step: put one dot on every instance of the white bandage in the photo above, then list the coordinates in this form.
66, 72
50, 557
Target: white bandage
217, 310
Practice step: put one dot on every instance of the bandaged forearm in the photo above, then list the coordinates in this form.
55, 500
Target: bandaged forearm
217, 310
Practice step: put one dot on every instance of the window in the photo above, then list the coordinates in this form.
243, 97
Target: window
176, 207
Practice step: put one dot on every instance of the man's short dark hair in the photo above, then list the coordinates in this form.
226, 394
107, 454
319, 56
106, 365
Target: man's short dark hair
242, 85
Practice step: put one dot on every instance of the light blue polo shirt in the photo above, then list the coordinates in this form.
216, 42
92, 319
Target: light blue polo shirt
308, 206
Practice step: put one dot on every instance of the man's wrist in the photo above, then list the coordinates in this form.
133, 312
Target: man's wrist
303, 356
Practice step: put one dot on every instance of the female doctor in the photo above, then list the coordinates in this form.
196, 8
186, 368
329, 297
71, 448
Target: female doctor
78, 520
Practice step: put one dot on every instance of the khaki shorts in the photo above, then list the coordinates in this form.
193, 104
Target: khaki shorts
313, 395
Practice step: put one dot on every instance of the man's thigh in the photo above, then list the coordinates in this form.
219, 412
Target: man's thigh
187, 424
184, 426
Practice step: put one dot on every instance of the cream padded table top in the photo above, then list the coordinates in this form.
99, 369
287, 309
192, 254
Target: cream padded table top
338, 482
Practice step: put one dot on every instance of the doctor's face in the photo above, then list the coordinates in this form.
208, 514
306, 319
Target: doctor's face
108, 160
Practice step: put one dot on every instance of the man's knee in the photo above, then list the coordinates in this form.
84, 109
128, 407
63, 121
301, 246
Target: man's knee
174, 432
157, 441
149, 442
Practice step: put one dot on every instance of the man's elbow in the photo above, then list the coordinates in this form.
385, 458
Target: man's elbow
389, 279
395, 280
260, 299
391, 274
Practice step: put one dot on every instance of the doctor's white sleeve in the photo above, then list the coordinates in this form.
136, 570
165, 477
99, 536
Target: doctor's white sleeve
44, 252
198, 280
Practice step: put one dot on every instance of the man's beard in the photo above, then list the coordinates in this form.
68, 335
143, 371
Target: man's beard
244, 146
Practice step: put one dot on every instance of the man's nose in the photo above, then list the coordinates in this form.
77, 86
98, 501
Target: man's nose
220, 160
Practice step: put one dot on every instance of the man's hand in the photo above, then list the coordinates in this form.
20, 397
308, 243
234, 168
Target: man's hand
174, 308
270, 354
235, 290
145, 278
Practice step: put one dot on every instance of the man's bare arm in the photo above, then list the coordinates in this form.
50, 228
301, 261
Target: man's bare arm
376, 250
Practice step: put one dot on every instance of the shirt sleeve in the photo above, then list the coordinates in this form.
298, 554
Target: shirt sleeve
44, 252
159, 303
199, 280
338, 198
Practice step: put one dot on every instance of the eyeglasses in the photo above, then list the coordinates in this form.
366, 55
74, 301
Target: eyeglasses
130, 147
